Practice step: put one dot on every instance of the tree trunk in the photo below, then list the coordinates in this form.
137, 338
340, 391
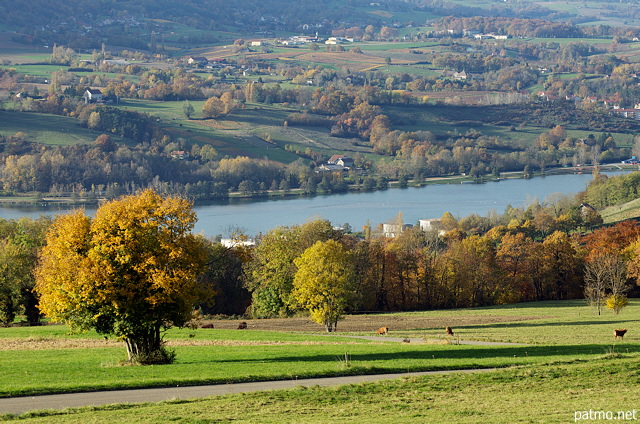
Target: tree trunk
144, 346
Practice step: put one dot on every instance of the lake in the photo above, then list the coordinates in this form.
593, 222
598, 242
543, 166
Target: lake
259, 216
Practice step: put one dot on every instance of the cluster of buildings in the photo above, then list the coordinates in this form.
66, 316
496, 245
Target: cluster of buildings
336, 163
612, 104
298, 40
203, 62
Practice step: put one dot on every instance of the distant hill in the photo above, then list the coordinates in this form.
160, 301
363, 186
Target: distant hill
62, 20
202, 14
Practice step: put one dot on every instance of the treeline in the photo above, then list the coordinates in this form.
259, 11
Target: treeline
542, 28
103, 168
524, 255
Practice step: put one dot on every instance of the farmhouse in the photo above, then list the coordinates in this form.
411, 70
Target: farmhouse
341, 160
92, 95
460, 75
197, 60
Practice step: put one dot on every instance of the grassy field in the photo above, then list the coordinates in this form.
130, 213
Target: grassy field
618, 213
242, 132
33, 359
47, 129
570, 363
554, 393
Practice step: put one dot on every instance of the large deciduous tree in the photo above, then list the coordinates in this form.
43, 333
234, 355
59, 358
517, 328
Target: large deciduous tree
323, 282
213, 108
132, 271
271, 271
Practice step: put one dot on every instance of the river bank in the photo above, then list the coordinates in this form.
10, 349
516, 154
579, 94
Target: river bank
257, 215
93, 200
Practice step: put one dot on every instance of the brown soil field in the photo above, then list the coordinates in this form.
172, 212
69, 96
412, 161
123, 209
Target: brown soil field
368, 323
472, 96
62, 343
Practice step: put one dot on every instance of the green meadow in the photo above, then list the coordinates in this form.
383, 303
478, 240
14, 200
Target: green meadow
567, 362
551, 393
47, 129
34, 358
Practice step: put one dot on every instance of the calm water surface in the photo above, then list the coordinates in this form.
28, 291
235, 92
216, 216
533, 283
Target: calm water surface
356, 208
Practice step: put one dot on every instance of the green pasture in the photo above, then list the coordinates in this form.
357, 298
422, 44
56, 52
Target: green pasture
569, 363
458, 120
415, 16
44, 70
36, 70
563, 41
39, 371
416, 70
629, 210
551, 393
28, 54
561, 332
558, 323
236, 134
47, 129
171, 110
385, 46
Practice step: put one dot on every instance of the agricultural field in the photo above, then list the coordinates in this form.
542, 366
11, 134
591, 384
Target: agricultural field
629, 210
567, 350
244, 131
47, 129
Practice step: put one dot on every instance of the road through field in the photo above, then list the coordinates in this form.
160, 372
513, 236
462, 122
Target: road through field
20, 405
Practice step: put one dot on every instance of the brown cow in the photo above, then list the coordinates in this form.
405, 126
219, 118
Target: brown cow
449, 331
383, 330
242, 326
619, 333
206, 326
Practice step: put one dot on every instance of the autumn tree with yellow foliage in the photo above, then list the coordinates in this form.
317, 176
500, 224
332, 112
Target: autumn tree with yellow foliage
132, 271
323, 283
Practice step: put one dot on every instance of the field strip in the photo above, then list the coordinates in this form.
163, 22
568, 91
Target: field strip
20, 405
371, 68
416, 340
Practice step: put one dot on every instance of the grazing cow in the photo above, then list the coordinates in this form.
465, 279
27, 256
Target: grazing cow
449, 331
206, 326
619, 333
242, 326
383, 330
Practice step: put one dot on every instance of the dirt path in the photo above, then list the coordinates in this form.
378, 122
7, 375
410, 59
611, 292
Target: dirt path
20, 405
